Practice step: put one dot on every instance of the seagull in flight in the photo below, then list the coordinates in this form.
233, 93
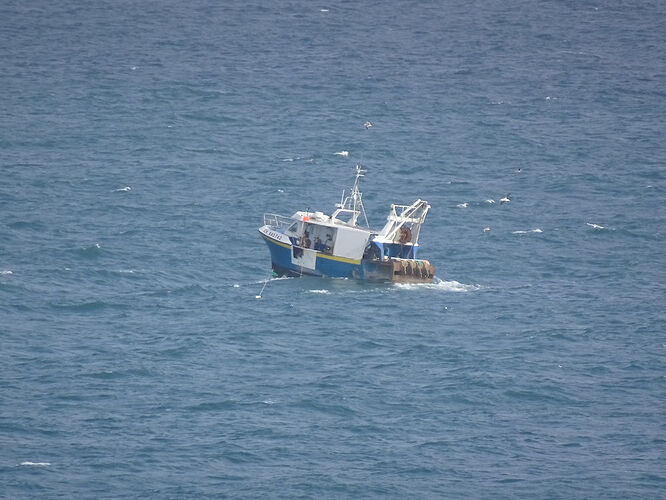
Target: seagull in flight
506, 199
367, 125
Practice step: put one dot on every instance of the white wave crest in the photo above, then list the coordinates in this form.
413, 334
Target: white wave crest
537, 230
126, 188
6, 272
462, 205
39, 464
595, 226
343, 153
319, 291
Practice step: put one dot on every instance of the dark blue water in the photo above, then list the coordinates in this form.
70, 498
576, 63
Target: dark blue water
140, 145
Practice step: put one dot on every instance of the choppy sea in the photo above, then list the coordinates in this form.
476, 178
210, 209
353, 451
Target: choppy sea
140, 145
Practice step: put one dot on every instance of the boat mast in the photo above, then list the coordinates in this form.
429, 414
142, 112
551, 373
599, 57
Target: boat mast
354, 202
357, 196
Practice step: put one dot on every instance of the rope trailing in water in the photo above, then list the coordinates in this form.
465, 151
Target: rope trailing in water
265, 283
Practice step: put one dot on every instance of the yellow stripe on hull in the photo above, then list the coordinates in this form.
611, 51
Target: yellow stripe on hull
319, 255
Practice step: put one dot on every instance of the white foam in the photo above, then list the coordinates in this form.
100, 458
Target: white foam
6, 272
323, 10
319, 291
236, 285
486, 229
39, 464
277, 278
491, 201
595, 226
126, 188
343, 153
537, 230
280, 190
462, 205
268, 402
441, 285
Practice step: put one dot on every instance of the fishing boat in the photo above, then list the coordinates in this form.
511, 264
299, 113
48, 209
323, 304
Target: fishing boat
338, 246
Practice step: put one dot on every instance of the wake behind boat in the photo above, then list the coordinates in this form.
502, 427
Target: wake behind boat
336, 246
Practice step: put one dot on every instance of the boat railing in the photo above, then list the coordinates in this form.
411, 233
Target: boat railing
277, 221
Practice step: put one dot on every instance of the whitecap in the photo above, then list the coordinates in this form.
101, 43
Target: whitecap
537, 230
323, 10
268, 402
486, 229
343, 153
490, 201
318, 291
236, 285
40, 464
6, 272
518, 232
462, 205
125, 189
595, 226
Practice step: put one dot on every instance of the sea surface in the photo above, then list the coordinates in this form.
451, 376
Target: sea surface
141, 144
